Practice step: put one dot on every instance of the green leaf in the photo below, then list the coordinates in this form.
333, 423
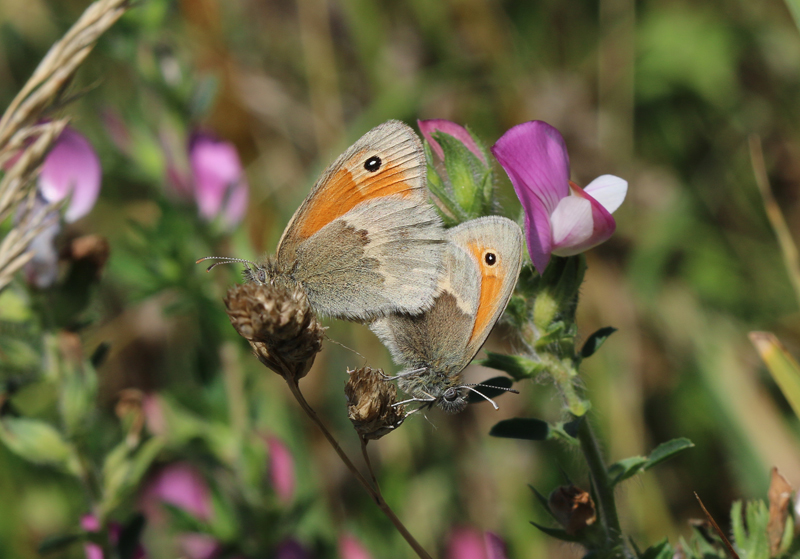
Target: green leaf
781, 365
516, 366
465, 172
542, 500
51, 544
524, 428
38, 442
626, 468
659, 550
487, 388
667, 450
557, 533
596, 340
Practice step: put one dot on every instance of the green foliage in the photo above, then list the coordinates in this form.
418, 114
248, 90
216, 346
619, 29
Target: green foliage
629, 467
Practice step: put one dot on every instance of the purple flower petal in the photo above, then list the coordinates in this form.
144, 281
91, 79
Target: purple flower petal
466, 543
281, 469
535, 158
351, 548
236, 207
428, 127
609, 190
572, 224
178, 484
495, 547
539, 235
71, 168
217, 174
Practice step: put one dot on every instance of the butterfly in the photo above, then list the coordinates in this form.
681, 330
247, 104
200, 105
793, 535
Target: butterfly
365, 242
482, 263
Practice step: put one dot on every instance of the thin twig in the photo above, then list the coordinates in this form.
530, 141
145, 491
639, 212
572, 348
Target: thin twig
788, 248
719, 531
374, 492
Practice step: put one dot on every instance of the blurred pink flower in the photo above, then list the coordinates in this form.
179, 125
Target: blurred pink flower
291, 549
281, 469
153, 409
428, 127
198, 546
220, 186
178, 484
468, 543
72, 168
560, 217
351, 548
90, 523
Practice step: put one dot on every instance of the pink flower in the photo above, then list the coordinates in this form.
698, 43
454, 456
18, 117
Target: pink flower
281, 469
468, 543
428, 127
180, 485
351, 548
220, 187
560, 217
72, 168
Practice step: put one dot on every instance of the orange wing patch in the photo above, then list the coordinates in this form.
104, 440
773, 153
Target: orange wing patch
491, 285
341, 192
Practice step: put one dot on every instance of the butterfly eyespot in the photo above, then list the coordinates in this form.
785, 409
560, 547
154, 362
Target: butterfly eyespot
490, 258
372, 164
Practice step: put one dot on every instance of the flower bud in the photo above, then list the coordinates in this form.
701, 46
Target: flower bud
572, 507
279, 324
371, 402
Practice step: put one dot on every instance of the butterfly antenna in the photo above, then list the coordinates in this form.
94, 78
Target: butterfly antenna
225, 260
492, 386
346, 347
482, 395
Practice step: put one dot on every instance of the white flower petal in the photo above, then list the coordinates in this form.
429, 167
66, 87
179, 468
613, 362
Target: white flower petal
609, 190
572, 222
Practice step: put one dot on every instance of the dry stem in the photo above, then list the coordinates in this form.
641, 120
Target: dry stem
374, 492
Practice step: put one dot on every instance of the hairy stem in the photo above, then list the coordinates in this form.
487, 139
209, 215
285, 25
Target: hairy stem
374, 492
603, 488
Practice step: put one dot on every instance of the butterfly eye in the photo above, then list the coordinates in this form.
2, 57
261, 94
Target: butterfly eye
490, 258
372, 164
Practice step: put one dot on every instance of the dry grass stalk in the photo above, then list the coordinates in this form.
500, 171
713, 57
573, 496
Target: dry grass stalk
21, 127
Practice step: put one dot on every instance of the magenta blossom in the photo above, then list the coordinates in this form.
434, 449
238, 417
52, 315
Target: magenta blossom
72, 168
428, 127
291, 549
180, 485
220, 186
560, 217
468, 543
351, 548
281, 469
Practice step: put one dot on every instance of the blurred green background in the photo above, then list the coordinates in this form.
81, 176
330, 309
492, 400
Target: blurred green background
663, 93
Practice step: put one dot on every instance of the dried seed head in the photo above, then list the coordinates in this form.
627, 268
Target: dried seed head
279, 324
573, 508
370, 403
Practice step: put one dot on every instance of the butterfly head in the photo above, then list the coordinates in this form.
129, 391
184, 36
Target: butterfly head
435, 388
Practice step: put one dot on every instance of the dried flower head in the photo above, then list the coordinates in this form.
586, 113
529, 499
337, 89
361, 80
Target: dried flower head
279, 324
573, 508
371, 403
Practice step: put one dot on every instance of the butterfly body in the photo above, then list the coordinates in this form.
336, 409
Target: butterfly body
482, 263
365, 242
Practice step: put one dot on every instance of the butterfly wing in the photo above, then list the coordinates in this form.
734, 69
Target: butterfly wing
435, 339
483, 262
495, 243
366, 242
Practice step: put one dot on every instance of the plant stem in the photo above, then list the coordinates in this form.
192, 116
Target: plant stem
374, 492
604, 490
